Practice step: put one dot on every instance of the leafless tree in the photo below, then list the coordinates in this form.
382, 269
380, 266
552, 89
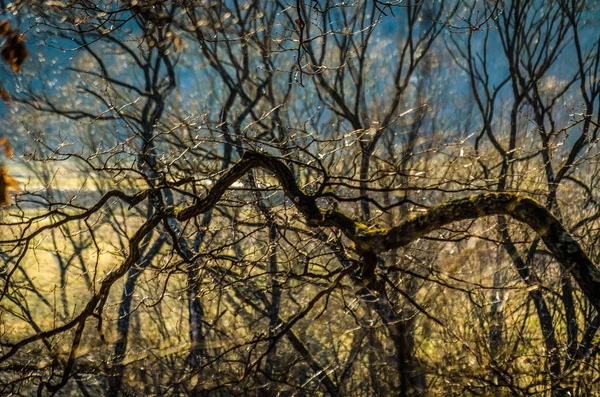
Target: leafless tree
298, 198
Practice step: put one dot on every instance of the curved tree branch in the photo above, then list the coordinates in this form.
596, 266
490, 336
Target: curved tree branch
366, 241
524, 209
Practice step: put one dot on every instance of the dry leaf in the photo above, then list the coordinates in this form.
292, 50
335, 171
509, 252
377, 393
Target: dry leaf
177, 43
8, 150
4, 95
6, 183
4, 28
14, 51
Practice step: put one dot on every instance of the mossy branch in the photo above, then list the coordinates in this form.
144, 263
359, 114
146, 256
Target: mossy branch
367, 242
524, 209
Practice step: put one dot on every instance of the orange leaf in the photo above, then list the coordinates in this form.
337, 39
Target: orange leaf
6, 183
4, 95
4, 28
14, 51
8, 151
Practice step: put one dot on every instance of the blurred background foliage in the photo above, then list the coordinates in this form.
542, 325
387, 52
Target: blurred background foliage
381, 110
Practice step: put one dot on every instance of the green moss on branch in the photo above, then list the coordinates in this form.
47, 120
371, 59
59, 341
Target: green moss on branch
366, 240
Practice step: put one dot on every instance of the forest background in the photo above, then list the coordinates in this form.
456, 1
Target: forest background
300, 198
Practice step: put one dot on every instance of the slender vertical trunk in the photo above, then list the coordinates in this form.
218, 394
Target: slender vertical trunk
401, 330
496, 324
115, 382
404, 344
123, 323
364, 185
545, 317
196, 311
196, 318
275, 299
